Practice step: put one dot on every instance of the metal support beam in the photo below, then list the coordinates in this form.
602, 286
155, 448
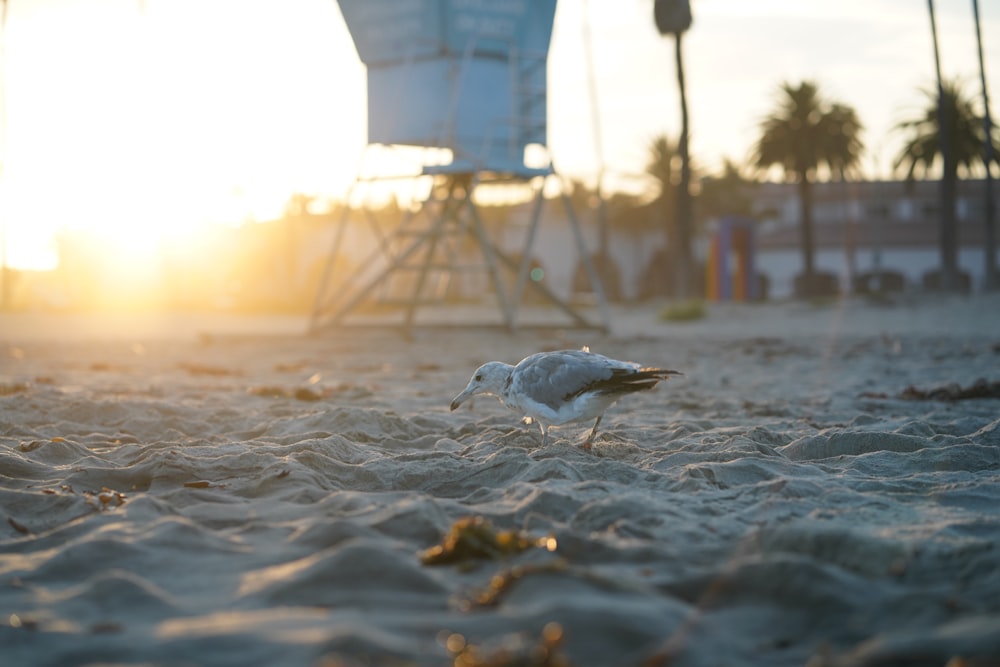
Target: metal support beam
456, 212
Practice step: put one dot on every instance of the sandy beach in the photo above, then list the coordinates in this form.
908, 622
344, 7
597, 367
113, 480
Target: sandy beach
821, 487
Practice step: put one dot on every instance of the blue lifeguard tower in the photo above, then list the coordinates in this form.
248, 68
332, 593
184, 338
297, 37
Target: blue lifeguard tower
468, 76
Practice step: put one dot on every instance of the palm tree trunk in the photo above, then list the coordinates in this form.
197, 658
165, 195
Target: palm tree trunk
808, 242
948, 236
992, 280
682, 285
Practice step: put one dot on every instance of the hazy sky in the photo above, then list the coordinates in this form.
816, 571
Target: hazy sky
143, 118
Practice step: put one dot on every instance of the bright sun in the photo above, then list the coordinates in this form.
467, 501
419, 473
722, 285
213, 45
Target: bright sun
153, 118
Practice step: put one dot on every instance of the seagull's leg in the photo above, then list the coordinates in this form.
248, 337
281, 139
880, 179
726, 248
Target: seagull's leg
545, 432
593, 432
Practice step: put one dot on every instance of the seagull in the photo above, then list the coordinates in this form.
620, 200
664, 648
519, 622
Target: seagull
554, 388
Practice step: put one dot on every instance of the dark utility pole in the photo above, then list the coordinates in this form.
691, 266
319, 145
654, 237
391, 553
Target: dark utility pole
949, 235
991, 279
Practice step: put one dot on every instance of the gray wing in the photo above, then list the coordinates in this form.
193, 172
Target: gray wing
553, 377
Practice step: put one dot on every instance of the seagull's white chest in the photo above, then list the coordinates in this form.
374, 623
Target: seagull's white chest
582, 407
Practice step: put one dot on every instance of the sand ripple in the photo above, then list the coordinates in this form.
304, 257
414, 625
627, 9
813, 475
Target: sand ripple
768, 508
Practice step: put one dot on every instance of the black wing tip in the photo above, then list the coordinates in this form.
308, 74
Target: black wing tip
625, 382
659, 372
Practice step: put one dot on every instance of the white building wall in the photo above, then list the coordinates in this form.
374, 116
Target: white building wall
555, 247
781, 266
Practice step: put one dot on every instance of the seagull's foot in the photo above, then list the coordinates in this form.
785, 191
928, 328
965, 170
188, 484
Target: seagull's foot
587, 445
593, 434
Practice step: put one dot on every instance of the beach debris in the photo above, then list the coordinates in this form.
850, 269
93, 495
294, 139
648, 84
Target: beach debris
204, 484
290, 367
515, 651
299, 393
18, 526
561, 387
685, 311
269, 391
981, 388
9, 389
878, 395
205, 369
307, 394
313, 392
36, 444
875, 653
106, 628
22, 622
109, 367
105, 499
475, 538
427, 367
948, 392
32, 446
503, 581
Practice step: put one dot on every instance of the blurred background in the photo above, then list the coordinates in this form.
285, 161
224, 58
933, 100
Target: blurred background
198, 155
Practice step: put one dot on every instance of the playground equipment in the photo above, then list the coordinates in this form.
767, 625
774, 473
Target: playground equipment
732, 241
469, 77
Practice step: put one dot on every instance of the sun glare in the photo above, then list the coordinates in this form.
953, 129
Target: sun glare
153, 119
135, 129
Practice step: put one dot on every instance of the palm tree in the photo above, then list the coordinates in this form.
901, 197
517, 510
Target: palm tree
804, 134
663, 164
922, 151
662, 161
673, 17
844, 147
726, 193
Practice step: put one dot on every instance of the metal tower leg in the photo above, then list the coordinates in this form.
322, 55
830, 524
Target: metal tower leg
522, 272
451, 203
395, 264
446, 214
490, 254
320, 302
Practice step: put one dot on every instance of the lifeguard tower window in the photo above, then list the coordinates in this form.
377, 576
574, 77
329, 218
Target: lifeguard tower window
467, 75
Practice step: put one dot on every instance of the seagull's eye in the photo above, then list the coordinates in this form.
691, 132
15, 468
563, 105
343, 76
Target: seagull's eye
479, 377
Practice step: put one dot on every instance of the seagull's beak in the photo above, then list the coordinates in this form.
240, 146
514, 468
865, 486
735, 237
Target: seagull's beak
461, 398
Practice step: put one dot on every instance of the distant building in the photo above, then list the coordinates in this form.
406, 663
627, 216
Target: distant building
866, 226
859, 227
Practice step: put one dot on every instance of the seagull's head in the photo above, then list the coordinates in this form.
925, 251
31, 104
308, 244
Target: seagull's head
488, 379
